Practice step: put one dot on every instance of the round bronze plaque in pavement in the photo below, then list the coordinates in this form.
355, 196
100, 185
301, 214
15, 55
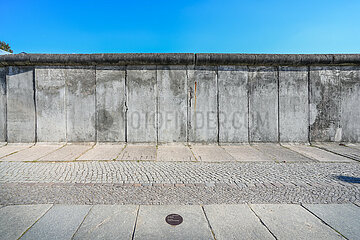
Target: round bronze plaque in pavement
174, 219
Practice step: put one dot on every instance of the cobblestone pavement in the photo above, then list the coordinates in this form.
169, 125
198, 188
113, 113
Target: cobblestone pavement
129, 182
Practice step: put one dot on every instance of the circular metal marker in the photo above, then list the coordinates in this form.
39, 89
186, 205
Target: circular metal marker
174, 219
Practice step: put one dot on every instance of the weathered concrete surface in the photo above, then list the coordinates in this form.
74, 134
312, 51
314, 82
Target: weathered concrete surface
16, 219
138, 152
210, 153
50, 103
33, 153
69, 152
293, 222
3, 103
342, 217
80, 104
12, 148
263, 104
20, 105
203, 106
235, 222
103, 152
172, 103
281, 154
110, 104
60, 222
142, 104
178, 152
316, 153
233, 104
342, 150
108, 222
151, 223
246, 153
325, 104
350, 104
293, 104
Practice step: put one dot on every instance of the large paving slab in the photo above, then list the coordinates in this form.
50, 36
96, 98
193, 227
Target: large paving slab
317, 153
246, 153
354, 145
172, 103
281, 154
235, 221
33, 153
210, 153
60, 222
67, 153
345, 218
151, 223
13, 148
16, 219
104, 151
178, 152
342, 150
293, 222
108, 222
293, 104
138, 152
20, 104
233, 104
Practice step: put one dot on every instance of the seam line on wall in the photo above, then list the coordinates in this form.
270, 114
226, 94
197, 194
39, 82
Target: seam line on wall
34, 89
217, 103
248, 102
309, 102
157, 104
278, 96
126, 106
96, 112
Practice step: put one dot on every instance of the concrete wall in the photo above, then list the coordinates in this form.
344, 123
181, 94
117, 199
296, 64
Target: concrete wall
179, 98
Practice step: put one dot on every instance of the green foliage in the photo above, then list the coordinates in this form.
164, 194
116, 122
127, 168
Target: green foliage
4, 46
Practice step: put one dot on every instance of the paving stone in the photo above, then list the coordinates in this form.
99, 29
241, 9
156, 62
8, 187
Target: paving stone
246, 153
60, 222
33, 153
349, 152
280, 153
342, 217
210, 153
293, 222
233, 221
16, 219
151, 223
138, 152
13, 148
354, 145
103, 152
174, 153
68, 153
316, 153
108, 222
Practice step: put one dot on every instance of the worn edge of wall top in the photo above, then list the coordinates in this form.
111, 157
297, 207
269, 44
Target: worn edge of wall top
179, 59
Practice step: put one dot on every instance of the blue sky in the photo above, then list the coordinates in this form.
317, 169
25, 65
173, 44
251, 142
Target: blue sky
181, 26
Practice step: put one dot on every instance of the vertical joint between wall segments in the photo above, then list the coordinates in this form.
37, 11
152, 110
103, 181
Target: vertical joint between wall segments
309, 102
217, 103
187, 103
248, 102
96, 110
126, 106
278, 96
157, 104
6, 104
35, 109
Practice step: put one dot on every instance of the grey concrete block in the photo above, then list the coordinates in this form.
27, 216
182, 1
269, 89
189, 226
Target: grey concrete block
110, 104
172, 103
138, 152
233, 104
20, 104
16, 219
350, 101
142, 104
203, 105
234, 222
80, 104
13, 148
280, 153
325, 104
288, 221
263, 104
33, 153
50, 103
342, 217
151, 223
108, 222
69, 152
246, 153
210, 153
177, 152
293, 104
60, 222
103, 152
3, 103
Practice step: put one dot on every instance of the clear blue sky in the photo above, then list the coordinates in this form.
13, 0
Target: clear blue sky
181, 26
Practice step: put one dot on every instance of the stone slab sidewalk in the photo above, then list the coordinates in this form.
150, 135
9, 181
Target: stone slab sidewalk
242, 221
